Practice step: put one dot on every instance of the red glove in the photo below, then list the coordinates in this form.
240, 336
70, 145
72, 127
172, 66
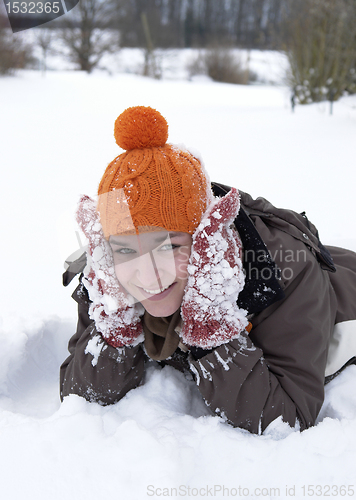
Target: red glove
118, 322
210, 314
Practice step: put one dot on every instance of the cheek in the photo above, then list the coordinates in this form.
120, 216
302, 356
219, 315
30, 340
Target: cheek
123, 273
181, 262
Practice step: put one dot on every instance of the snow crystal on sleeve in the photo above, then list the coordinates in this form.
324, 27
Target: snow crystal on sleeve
94, 347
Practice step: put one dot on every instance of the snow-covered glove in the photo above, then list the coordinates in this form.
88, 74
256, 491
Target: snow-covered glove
210, 314
118, 322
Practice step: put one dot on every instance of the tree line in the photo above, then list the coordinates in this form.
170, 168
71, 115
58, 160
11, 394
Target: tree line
200, 23
319, 36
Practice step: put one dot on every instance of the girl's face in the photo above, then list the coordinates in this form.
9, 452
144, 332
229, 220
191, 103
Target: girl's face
152, 267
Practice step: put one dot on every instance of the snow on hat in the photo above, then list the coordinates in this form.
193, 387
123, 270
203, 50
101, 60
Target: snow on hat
153, 183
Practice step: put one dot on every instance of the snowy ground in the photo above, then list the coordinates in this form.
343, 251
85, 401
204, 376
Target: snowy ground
56, 140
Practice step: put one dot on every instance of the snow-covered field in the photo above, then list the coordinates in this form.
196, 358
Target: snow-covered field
56, 140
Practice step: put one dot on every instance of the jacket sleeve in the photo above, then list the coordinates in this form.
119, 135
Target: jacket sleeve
279, 369
94, 369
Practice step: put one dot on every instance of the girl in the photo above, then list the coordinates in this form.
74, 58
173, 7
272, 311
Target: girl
180, 271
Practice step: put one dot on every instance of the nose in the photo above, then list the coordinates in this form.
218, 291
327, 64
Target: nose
146, 271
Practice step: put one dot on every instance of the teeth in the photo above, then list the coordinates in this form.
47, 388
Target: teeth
155, 292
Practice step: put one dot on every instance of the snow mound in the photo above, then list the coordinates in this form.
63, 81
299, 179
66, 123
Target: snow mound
158, 440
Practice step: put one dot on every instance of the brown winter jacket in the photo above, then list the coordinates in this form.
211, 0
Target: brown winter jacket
294, 293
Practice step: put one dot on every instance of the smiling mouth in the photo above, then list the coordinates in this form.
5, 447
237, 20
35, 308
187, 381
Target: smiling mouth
156, 292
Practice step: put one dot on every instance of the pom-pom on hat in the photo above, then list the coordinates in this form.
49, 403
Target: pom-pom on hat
139, 128
153, 183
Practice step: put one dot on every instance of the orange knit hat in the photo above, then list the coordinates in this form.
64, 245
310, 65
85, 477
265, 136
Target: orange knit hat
152, 183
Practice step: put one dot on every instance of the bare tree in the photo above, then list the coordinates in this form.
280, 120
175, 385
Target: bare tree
86, 33
321, 46
14, 52
44, 38
151, 67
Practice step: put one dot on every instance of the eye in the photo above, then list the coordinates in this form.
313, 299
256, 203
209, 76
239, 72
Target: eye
168, 246
124, 251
